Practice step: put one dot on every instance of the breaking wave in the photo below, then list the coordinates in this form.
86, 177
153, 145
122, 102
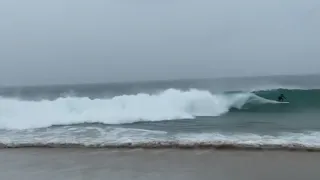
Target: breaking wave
167, 105
170, 104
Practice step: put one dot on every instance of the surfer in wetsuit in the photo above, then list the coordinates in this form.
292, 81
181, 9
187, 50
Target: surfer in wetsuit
281, 98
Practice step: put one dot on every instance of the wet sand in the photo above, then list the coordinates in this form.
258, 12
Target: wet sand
94, 164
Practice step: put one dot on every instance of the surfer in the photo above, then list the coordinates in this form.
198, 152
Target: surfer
281, 97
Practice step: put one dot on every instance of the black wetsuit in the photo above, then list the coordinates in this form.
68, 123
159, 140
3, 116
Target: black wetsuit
281, 98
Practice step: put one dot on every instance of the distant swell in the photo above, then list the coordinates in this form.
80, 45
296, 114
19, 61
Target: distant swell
170, 104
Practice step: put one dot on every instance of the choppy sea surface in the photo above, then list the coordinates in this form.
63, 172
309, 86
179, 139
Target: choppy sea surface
230, 113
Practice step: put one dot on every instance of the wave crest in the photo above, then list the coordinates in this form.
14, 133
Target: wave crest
167, 105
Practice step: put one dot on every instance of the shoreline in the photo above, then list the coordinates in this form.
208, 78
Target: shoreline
171, 146
136, 164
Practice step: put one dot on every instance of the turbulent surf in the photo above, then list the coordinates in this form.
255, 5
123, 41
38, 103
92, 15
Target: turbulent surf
166, 115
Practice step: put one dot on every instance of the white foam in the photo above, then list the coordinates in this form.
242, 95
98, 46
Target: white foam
167, 105
108, 136
306, 138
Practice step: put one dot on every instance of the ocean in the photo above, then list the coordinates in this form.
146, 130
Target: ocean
225, 113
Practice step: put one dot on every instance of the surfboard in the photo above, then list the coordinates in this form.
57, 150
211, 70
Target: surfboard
283, 102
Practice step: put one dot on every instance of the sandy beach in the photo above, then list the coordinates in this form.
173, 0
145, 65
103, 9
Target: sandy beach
84, 164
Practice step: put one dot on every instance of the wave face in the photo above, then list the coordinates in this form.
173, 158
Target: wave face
299, 100
297, 97
171, 104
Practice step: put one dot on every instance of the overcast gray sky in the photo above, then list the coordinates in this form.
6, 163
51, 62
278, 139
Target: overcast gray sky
71, 41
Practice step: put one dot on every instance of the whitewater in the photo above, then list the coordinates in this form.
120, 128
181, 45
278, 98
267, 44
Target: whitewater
171, 104
224, 114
